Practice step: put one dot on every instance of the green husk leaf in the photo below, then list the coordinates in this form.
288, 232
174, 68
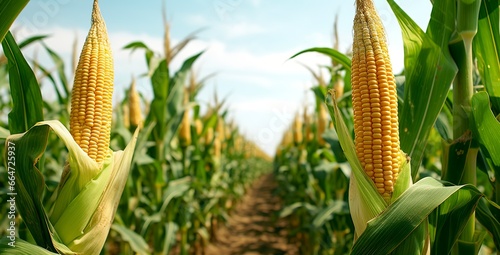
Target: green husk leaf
22, 248
404, 180
82, 219
365, 202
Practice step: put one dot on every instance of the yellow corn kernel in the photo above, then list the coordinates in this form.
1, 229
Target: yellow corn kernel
134, 103
374, 100
91, 99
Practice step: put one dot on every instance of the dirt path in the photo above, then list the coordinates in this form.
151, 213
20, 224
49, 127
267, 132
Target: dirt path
250, 229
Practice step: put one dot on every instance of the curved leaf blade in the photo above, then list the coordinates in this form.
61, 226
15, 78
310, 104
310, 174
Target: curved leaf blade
27, 108
9, 11
390, 229
332, 53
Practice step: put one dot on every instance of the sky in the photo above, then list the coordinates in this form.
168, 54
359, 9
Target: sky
247, 45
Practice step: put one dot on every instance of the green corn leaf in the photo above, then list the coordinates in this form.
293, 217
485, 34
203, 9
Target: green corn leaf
406, 215
487, 49
136, 242
149, 54
290, 209
28, 149
61, 72
450, 218
27, 100
171, 229
487, 213
175, 189
31, 40
332, 53
338, 57
326, 214
429, 71
486, 127
9, 10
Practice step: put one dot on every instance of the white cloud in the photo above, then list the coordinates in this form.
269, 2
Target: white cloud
197, 20
242, 29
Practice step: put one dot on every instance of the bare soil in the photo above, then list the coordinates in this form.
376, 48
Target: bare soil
251, 229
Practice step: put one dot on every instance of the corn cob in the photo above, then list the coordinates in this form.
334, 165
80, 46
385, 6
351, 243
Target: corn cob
134, 103
287, 138
217, 147
209, 135
339, 88
199, 126
220, 127
374, 100
91, 101
229, 130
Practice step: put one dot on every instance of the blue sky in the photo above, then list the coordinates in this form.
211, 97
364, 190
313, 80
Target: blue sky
247, 43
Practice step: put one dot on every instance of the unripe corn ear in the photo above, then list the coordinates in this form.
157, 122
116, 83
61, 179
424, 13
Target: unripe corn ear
374, 101
322, 122
338, 87
199, 126
91, 100
134, 103
209, 135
